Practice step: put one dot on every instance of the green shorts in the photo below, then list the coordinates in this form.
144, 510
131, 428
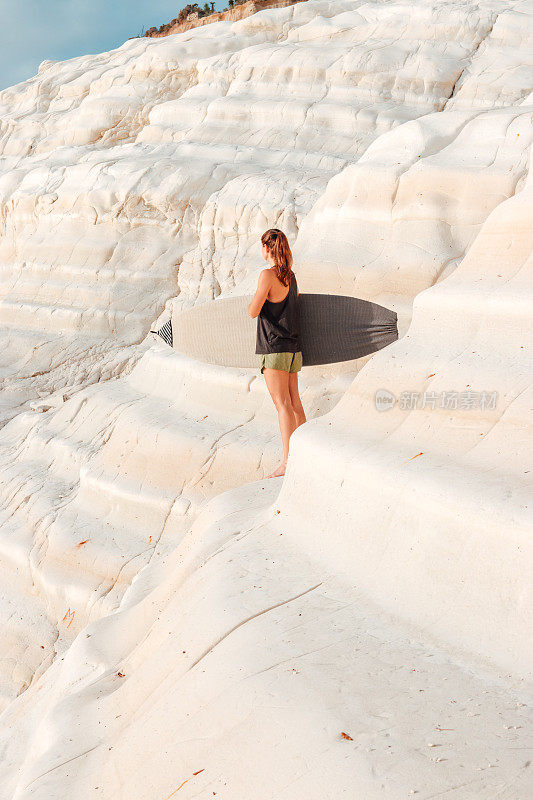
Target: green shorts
289, 362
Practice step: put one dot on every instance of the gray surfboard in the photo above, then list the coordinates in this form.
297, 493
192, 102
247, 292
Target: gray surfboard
332, 328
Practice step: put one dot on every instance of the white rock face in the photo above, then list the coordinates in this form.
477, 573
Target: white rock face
172, 625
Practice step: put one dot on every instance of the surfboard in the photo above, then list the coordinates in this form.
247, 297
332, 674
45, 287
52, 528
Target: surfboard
332, 328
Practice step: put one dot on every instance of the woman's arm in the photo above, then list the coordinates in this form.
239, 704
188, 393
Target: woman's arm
263, 287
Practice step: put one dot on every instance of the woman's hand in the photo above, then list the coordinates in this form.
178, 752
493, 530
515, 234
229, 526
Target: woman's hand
263, 287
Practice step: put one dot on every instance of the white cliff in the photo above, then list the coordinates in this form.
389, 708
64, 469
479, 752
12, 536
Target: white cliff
172, 624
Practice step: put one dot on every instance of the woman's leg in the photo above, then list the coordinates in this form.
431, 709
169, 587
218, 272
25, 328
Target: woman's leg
277, 381
297, 406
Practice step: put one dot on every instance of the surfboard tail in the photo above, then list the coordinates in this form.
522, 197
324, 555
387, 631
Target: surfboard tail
165, 332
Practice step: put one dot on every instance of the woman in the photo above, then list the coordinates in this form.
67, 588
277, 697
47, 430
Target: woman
276, 309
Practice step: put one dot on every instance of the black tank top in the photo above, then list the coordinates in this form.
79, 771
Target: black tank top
278, 324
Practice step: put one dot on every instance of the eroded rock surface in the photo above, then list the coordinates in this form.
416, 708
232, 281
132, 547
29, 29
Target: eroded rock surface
170, 619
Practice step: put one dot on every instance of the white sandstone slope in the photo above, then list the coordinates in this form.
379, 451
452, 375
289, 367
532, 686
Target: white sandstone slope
171, 624
428, 507
232, 670
131, 175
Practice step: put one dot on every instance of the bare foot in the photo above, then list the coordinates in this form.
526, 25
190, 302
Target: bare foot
279, 471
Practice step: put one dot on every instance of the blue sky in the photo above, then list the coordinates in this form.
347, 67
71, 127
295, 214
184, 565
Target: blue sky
61, 29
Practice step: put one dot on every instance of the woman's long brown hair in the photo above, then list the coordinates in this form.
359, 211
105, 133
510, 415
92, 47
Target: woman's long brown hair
278, 245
